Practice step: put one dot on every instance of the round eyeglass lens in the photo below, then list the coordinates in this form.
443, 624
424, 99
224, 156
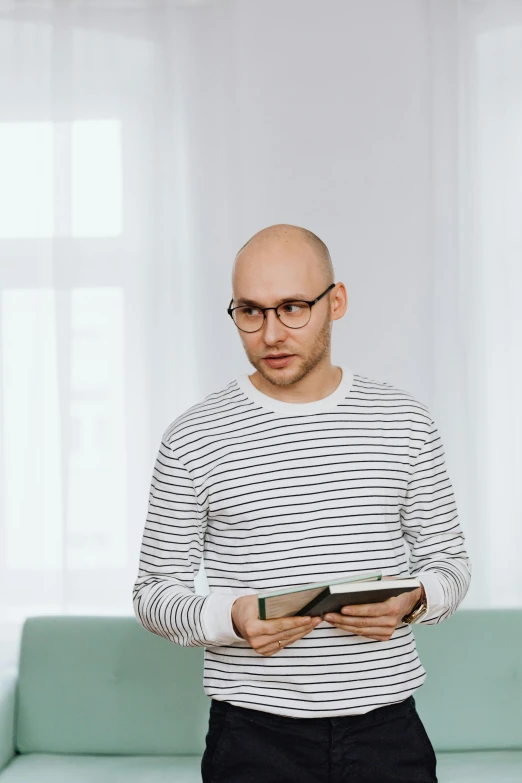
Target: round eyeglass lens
294, 314
249, 319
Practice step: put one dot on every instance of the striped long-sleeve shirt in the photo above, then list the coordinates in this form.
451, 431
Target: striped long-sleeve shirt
275, 494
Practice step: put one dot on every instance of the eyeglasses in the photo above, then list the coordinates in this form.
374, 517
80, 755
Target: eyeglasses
294, 313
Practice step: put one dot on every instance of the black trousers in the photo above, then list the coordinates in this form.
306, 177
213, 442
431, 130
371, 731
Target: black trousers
385, 745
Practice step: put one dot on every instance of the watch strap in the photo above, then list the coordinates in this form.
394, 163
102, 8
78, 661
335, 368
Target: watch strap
418, 610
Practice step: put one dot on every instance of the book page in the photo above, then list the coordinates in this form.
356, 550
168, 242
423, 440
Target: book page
286, 605
352, 587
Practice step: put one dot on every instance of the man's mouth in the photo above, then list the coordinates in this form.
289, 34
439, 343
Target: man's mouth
278, 360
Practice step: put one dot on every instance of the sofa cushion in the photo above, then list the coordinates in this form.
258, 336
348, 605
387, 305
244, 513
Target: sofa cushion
106, 685
48, 768
472, 696
470, 767
476, 766
8, 680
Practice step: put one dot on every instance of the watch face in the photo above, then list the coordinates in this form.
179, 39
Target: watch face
416, 613
419, 613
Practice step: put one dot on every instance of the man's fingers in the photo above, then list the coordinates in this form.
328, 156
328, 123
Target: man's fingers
369, 610
286, 637
300, 630
289, 640
282, 624
361, 622
379, 632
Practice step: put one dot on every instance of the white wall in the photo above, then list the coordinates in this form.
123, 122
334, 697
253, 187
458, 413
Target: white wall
319, 114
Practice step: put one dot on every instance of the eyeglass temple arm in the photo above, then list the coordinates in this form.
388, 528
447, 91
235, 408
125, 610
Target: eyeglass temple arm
289, 300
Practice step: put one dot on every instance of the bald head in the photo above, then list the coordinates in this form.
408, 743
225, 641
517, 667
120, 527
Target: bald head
283, 235
278, 268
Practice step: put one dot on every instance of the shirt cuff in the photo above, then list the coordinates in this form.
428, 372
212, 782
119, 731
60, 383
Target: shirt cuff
217, 619
434, 595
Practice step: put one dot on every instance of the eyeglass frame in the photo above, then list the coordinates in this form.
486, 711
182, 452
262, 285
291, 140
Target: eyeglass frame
264, 309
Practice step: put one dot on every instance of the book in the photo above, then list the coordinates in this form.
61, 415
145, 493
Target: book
290, 601
318, 598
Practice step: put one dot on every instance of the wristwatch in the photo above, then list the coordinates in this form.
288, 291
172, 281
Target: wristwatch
418, 610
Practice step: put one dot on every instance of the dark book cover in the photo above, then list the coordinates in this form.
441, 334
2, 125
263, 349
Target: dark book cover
334, 602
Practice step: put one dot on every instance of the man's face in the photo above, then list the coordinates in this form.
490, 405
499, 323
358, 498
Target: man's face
268, 275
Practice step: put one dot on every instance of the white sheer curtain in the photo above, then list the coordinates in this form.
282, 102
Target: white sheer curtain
477, 316
97, 277
141, 143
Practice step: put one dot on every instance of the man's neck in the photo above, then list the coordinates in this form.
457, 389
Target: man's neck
314, 386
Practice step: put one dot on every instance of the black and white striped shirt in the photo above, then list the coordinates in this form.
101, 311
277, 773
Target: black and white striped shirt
277, 494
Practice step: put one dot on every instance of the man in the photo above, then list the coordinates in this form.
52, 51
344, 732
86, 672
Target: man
301, 472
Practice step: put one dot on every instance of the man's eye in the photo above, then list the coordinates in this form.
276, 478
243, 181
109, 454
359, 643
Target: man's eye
251, 311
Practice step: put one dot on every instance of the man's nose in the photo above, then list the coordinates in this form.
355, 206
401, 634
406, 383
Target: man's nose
273, 329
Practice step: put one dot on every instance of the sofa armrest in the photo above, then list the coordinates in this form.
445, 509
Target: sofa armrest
8, 682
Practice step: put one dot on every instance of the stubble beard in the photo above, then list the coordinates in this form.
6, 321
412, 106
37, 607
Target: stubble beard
319, 349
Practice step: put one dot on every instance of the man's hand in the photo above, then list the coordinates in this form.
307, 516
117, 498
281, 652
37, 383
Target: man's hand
376, 621
263, 635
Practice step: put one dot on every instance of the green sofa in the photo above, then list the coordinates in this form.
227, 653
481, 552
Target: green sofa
100, 699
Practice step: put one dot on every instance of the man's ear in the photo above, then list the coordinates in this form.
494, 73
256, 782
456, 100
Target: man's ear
343, 307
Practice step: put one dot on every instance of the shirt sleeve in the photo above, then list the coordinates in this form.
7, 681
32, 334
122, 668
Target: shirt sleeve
430, 525
172, 545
